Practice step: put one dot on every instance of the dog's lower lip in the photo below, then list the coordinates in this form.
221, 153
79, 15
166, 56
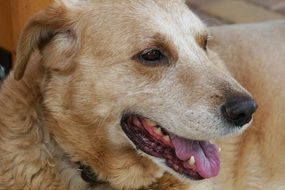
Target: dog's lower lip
195, 159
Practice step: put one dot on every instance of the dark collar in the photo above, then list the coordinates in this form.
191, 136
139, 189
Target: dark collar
88, 174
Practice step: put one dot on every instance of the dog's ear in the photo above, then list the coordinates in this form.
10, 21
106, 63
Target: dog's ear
51, 27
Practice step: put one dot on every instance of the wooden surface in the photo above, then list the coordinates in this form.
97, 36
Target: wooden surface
22, 11
14, 14
6, 33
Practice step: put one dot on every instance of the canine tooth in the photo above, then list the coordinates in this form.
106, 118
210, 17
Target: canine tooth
136, 121
166, 138
158, 131
192, 161
150, 123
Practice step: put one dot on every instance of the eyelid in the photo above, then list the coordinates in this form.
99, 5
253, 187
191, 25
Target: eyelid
163, 61
163, 56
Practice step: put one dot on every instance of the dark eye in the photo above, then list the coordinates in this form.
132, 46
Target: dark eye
151, 56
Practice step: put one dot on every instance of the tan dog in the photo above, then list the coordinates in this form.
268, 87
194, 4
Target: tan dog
115, 75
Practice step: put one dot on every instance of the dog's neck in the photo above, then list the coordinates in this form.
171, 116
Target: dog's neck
25, 140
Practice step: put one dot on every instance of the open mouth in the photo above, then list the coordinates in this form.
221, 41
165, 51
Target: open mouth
192, 158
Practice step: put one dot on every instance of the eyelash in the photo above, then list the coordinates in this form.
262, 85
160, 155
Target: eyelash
151, 56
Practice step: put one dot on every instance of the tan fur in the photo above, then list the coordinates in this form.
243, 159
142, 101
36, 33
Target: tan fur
71, 94
255, 160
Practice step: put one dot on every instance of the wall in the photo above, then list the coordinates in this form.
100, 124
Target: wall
14, 14
6, 33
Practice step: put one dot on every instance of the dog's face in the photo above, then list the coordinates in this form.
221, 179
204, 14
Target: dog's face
129, 87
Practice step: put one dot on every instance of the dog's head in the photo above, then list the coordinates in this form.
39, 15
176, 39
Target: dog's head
130, 90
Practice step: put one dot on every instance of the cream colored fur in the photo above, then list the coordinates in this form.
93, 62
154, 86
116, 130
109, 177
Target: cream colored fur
68, 98
254, 55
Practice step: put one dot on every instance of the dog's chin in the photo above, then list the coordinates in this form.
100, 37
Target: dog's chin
193, 159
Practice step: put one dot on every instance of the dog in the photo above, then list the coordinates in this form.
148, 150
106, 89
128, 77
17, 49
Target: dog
255, 57
117, 95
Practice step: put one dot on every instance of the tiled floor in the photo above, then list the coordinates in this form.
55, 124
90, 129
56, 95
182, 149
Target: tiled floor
218, 12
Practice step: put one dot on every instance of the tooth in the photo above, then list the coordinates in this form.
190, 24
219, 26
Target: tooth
166, 138
158, 131
192, 161
136, 122
150, 123
220, 149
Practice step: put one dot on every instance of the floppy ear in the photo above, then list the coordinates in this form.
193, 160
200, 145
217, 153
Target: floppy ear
41, 31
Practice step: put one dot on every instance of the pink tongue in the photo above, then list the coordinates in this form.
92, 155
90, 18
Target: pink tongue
207, 162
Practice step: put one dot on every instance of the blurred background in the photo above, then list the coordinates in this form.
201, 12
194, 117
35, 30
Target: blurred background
15, 13
219, 12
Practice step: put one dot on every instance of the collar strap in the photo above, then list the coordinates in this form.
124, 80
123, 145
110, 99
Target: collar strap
88, 174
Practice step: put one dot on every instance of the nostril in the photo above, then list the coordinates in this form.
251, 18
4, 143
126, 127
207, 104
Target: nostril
242, 115
239, 110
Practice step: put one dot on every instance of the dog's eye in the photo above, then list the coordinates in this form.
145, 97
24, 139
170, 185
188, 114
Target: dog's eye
151, 56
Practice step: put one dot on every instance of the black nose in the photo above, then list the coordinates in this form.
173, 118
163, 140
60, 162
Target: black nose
239, 110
